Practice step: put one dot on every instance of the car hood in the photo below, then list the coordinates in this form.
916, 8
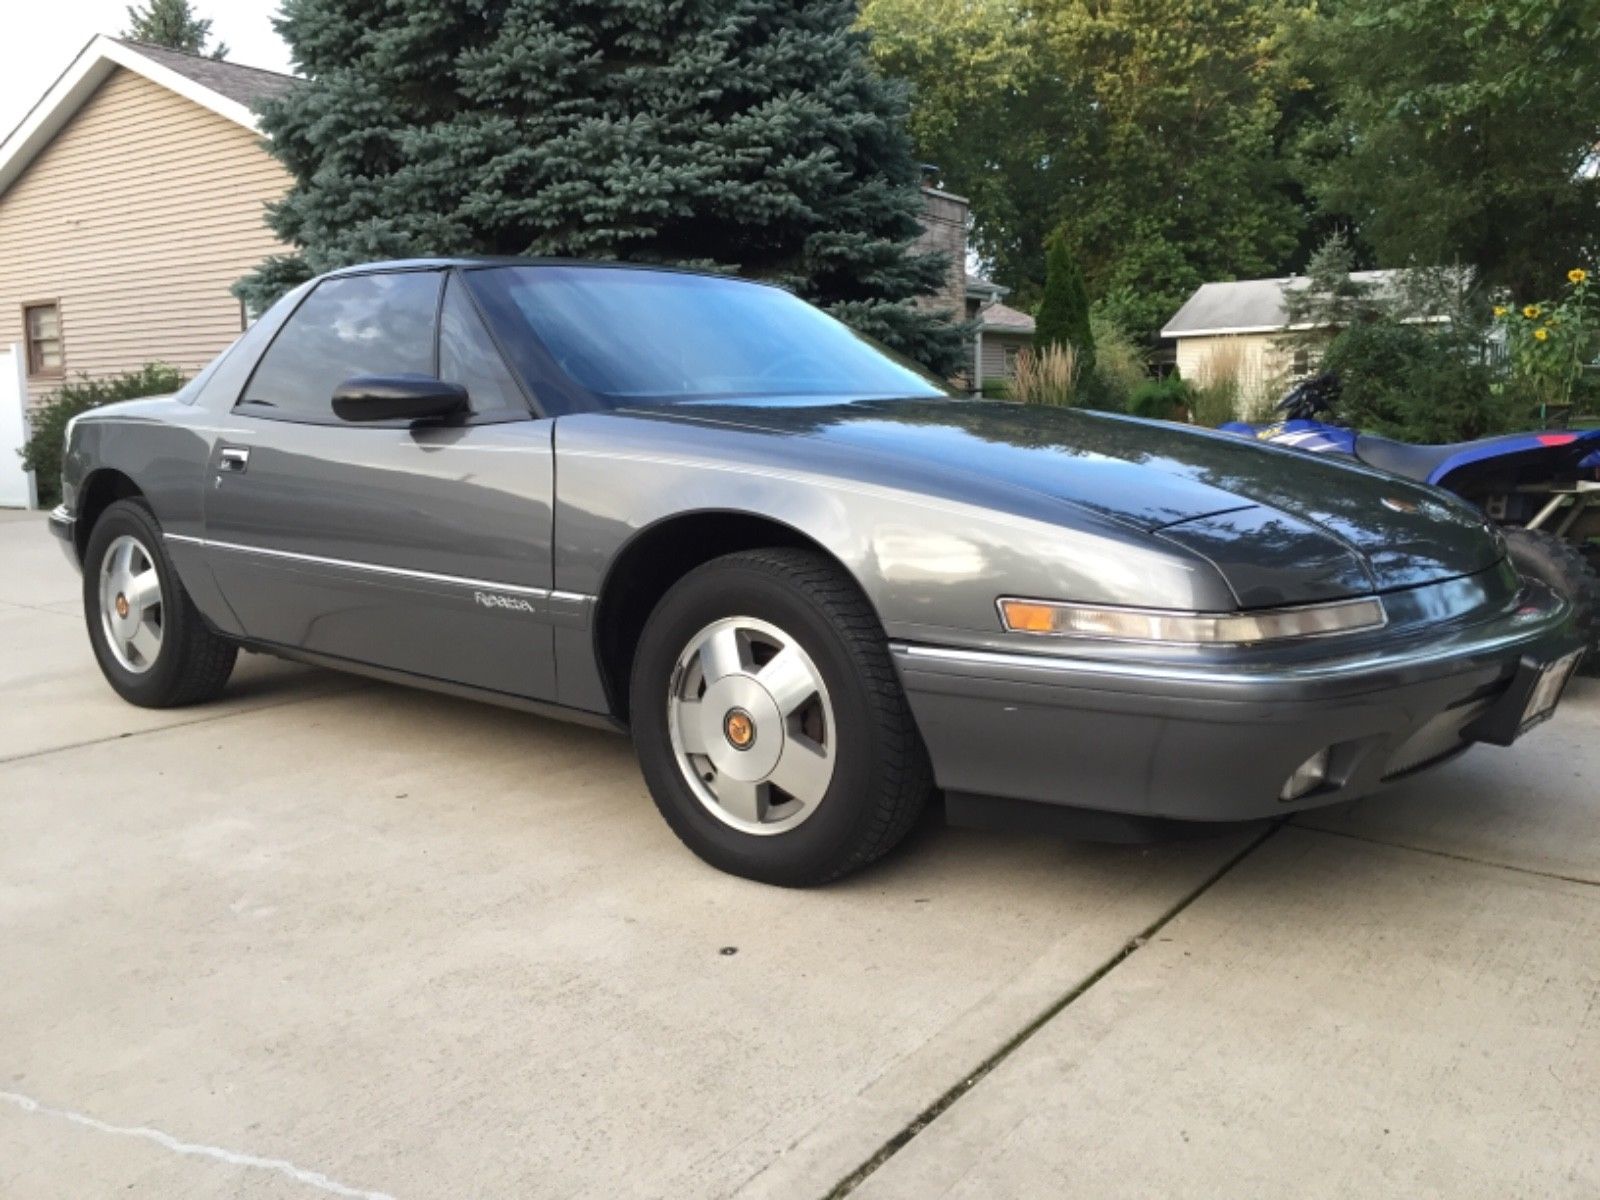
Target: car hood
1284, 525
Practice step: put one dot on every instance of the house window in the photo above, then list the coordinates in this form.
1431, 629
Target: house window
1304, 362
41, 324
1011, 361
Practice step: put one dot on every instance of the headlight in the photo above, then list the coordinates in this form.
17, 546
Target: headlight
1054, 619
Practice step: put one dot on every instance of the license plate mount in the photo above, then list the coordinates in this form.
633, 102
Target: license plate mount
1531, 698
1548, 690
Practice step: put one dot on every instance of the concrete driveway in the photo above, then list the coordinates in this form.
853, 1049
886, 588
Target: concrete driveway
334, 938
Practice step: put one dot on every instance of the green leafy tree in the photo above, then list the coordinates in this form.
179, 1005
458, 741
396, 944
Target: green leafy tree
1462, 131
751, 137
173, 24
1181, 183
986, 112
1143, 132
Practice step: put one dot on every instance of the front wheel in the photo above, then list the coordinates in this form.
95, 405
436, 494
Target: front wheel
769, 721
154, 648
1562, 566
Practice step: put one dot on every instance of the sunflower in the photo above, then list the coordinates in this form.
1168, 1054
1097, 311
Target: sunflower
1577, 275
1500, 310
1532, 311
1541, 335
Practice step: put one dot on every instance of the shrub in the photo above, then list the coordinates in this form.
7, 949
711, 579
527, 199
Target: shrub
1121, 365
1048, 376
1162, 399
48, 422
1418, 384
997, 389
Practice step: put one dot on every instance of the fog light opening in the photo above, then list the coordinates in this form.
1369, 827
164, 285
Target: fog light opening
1307, 777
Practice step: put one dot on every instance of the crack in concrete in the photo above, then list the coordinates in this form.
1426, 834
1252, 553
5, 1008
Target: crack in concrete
1370, 840
932, 1113
44, 608
27, 755
232, 1158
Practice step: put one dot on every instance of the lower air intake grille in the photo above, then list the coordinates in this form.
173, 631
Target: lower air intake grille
1437, 739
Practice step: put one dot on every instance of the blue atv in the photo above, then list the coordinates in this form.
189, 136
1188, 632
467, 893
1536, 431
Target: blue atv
1542, 489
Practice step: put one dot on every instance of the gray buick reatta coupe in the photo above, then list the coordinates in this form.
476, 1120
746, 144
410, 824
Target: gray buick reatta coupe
813, 585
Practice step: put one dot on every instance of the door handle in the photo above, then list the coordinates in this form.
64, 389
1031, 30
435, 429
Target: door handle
234, 459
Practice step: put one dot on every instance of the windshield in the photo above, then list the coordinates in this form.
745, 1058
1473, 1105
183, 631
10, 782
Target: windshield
629, 335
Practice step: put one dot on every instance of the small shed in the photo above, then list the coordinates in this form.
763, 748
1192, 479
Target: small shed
1238, 327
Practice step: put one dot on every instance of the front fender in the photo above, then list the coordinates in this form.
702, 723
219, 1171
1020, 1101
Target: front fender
932, 554
161, 446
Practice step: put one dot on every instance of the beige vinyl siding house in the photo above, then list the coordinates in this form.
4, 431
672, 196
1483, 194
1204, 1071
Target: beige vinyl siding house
123, 227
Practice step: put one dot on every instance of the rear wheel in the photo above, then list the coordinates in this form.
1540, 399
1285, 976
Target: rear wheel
1567, 570
152, 644
769, 721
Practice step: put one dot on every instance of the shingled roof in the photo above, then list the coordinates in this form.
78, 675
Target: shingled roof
1250, 305
246, 85
1002, 318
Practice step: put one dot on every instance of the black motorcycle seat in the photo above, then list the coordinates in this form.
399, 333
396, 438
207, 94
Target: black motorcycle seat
1417, 462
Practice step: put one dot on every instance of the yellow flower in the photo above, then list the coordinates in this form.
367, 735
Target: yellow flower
1577, 275
1540, 335
1500, 310
1531, 311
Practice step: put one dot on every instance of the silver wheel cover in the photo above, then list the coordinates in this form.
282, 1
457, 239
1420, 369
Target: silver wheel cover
131, 610
752, 725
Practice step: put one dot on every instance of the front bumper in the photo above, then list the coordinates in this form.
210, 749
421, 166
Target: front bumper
64, 526
1208, 743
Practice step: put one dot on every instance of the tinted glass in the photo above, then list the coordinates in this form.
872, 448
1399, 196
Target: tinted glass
635, 334
358, 325
467, 356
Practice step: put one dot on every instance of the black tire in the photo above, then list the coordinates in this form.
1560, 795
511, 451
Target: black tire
193, 663
1566, 569
881, 775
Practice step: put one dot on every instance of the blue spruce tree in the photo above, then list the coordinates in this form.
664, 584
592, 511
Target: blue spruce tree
751, 136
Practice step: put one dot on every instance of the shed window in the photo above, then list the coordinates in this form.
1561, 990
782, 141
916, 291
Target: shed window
42, 323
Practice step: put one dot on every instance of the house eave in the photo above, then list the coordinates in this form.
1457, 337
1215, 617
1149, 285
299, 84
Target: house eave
1234, 331
1303, 327
94, 63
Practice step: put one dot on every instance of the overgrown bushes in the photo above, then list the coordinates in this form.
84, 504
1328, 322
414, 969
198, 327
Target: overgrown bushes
1421, 358
1121, 365
1162, 399
48, 422
1418, 384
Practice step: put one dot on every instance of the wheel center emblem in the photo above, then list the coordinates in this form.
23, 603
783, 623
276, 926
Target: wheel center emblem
122, 605
739, 729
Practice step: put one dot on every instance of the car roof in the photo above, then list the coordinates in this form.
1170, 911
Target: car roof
489, 260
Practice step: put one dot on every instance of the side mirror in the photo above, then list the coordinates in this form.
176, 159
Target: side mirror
398, 398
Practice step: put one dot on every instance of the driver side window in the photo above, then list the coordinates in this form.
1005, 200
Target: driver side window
352, 325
